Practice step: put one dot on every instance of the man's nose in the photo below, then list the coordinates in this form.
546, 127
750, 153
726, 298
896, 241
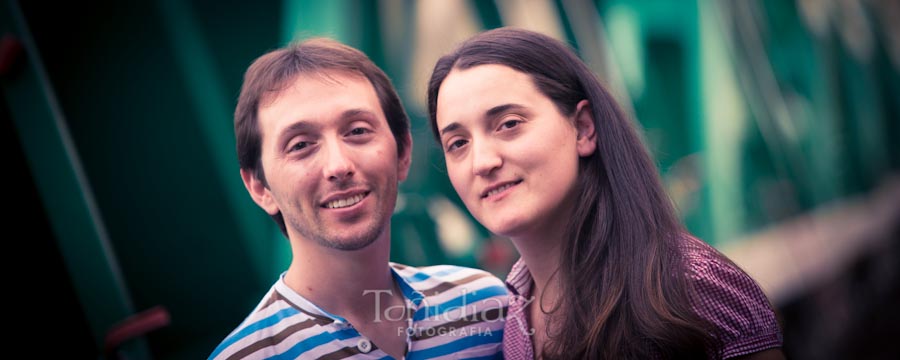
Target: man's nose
338, 164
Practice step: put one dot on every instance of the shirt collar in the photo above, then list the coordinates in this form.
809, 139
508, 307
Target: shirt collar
519, 279
411, 295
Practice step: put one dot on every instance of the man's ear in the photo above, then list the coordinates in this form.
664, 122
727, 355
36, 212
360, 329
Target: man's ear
584, 125
259, 192
405, 159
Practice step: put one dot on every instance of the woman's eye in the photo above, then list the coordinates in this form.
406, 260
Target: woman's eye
509, 124
456, 144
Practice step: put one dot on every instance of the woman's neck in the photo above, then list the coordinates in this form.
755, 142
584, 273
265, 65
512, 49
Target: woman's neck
541, 255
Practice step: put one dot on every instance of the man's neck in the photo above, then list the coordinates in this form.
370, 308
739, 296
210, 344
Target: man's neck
356, 285
336, 280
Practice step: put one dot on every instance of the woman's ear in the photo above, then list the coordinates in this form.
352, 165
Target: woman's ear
584, 125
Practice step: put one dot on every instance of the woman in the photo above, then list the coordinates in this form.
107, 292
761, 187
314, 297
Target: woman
540, 152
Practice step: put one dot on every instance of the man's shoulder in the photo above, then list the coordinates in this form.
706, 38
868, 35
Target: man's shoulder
438, 271
462, 312
273, 320
439, 279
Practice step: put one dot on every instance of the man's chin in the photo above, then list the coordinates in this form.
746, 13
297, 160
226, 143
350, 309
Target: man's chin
350, 245
352, 242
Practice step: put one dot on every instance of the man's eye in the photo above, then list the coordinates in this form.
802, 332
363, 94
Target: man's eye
359, 131
298, 146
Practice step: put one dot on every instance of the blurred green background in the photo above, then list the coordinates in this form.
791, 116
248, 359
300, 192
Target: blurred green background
774, 124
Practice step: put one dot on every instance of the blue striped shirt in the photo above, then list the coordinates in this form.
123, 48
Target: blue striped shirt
457, 313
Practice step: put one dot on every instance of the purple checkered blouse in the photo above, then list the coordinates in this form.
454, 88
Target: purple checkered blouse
726, 297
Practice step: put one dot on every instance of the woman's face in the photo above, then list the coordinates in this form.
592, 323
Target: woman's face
511, 155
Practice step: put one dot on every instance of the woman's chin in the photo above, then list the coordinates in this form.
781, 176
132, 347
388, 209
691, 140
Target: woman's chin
509, 229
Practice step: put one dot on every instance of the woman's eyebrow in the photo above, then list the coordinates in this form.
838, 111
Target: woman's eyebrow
490, 113
500, 109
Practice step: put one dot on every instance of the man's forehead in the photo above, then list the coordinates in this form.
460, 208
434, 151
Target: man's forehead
321, 106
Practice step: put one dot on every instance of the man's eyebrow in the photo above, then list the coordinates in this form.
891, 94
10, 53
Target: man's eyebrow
356, 112
491, 113
305, 125
298, 126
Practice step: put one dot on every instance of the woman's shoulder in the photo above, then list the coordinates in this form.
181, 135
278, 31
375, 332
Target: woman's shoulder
705, 262
730, 301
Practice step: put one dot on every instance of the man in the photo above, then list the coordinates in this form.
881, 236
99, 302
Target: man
323, 141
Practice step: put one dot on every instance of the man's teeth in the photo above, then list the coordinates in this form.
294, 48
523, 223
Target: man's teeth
499, 190
345, 202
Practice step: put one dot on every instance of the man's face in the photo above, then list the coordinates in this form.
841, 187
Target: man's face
330, 160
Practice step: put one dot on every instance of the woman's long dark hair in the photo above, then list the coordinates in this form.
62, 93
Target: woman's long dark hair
622, 272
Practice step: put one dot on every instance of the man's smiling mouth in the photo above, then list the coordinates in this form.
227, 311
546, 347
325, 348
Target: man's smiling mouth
346, 202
